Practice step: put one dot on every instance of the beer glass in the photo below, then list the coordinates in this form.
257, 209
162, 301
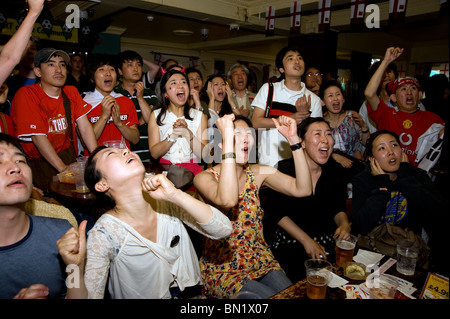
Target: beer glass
345, 249
318, 274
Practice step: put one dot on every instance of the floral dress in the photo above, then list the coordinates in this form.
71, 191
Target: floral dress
347, 136
229, 263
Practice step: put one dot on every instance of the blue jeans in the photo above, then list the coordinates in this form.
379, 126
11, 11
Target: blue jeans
267, 286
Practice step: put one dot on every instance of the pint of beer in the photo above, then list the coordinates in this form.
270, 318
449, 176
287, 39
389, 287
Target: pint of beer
317, 277
345, 249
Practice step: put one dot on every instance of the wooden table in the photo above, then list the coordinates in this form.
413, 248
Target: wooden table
66, 194
298, 290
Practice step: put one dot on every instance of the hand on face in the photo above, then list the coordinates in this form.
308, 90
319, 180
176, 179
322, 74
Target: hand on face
375, 167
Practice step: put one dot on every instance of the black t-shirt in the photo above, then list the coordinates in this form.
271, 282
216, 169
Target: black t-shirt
315, 213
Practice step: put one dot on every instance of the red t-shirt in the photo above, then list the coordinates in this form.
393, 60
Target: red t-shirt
33, 112
408, 126
128, 116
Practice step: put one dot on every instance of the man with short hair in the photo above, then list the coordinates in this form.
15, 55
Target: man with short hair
409, 122
34, 250
129, 65
238, 74
46, 130
113, 115
291, 98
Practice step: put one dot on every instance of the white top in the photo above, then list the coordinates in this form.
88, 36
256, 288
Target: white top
140, 268
180, 152
272, 146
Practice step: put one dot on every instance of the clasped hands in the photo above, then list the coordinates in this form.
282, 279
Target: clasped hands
180, 129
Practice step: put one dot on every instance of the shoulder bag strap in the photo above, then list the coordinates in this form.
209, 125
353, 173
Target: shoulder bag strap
5, 125
67, 109
269, 100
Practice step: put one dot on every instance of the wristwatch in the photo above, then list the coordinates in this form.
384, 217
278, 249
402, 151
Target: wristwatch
229, 155
296, 146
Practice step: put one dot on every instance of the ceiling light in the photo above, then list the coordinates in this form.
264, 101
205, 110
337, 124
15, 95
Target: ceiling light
183, 33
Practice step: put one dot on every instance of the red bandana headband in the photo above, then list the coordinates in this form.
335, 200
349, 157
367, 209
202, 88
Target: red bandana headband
393, 86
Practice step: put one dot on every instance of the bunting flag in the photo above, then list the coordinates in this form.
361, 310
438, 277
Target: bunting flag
158, 58
296, 12
357, 10
444, 69
324, 15
397, 10
270, 21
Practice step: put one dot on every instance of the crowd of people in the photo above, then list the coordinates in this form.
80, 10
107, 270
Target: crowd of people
272, 171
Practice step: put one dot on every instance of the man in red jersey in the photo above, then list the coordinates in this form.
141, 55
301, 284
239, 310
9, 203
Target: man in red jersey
47, 132
409, 122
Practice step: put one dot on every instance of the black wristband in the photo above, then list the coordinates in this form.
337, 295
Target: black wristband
296, 146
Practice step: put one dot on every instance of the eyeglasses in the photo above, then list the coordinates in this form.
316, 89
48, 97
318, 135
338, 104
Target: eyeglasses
313, 74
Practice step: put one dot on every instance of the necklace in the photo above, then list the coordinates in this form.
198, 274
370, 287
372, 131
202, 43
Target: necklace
335, 124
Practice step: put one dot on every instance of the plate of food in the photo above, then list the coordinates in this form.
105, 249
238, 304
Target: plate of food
355, 271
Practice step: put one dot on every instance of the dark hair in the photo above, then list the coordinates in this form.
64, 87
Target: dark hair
303, 127
226, 106
282, 53
98, 60
329, 84
92, 176
373, 136
165, 102
193, 70
128, 55
11, 140
243, 118
163, 65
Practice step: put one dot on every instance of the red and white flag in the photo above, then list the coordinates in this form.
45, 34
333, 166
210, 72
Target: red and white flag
158, 58
324, 15
444, 69
357, 9
270, 20
296, 13
397, 10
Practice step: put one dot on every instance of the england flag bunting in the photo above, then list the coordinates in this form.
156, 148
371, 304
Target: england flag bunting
270, 20
296, 11
324, 15
357, 10
397, 10
158, 58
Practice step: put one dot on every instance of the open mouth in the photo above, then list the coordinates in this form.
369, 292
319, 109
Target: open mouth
181, 96
130, 159
392, 161
16, 182
323, 151
409, 100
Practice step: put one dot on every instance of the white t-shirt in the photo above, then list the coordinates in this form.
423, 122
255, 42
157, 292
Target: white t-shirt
272, 146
